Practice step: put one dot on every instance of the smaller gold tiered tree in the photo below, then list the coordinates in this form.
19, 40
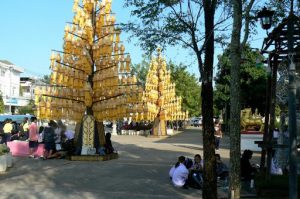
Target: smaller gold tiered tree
159, 101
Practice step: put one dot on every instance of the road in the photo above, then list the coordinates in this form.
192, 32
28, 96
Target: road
140, 172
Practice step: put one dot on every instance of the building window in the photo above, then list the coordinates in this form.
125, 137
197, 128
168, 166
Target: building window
14, 91
2, 72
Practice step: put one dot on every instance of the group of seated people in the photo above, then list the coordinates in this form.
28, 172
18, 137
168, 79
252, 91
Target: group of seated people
57, 140
187, 173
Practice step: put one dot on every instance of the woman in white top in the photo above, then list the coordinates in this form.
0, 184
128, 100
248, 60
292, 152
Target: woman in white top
179, 173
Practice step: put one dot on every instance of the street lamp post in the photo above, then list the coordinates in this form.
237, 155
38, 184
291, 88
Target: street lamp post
292, 89
265, 17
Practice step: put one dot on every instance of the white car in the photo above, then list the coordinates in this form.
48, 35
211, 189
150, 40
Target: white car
197, 122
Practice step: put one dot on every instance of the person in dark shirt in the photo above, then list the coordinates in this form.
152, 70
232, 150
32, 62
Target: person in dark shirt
221, 168
49, 141
108, 145
247, 170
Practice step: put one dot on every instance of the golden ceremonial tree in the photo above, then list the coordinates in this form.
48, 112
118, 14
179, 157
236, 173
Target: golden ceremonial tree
160, 102
90, 80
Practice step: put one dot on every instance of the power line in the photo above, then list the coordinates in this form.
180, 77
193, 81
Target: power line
33, 73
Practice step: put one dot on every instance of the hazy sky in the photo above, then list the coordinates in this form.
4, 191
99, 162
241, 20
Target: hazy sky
31, 28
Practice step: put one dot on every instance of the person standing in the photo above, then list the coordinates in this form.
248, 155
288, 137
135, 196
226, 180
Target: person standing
218, 134
8, 127
33, 136
49, 140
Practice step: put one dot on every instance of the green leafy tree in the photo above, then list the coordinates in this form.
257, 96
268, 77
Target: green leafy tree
282, 9
46, 79
1, 104
173, 22
187, 87
141, 69
29, 109
253, 81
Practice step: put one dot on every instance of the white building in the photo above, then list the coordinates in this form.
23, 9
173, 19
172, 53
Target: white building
27, 86
10, 85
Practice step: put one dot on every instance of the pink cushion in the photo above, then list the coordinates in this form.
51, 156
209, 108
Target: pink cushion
21, 148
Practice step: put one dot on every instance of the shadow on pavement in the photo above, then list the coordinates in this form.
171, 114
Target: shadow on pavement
138, 173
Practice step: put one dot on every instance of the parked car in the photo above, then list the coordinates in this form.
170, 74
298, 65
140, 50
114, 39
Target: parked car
197, 123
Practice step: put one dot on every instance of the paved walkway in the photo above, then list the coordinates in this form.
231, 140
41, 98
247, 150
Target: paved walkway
141, 172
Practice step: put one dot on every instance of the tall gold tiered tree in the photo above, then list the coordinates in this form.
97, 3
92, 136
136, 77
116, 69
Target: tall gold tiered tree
90, 79
159, 98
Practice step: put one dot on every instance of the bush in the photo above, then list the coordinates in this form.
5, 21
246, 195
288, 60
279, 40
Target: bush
277, 185
3, 149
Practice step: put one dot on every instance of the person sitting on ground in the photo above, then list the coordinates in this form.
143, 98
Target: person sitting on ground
57, 134
180, 174
247, 170
108, 145
33, 136
221, 168
171, 171
196, 170
62, 152
69, 134
67, 146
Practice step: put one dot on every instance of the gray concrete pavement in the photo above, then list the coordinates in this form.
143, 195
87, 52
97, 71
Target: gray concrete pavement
140, 172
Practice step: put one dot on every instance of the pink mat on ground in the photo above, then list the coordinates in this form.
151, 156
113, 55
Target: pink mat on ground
21, 148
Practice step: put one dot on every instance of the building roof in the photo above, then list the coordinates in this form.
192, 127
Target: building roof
8, 64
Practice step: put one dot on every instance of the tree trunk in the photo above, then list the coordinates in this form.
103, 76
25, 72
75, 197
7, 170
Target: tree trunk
235, 109
159, 127
209, 174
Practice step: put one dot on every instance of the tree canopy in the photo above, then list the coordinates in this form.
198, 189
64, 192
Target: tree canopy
187, 87
1, 104
29, 109
253, 80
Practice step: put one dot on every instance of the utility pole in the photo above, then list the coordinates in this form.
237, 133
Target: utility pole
10, 87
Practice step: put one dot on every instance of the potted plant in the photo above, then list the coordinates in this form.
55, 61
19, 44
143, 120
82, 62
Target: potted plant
3, 157
9, 157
